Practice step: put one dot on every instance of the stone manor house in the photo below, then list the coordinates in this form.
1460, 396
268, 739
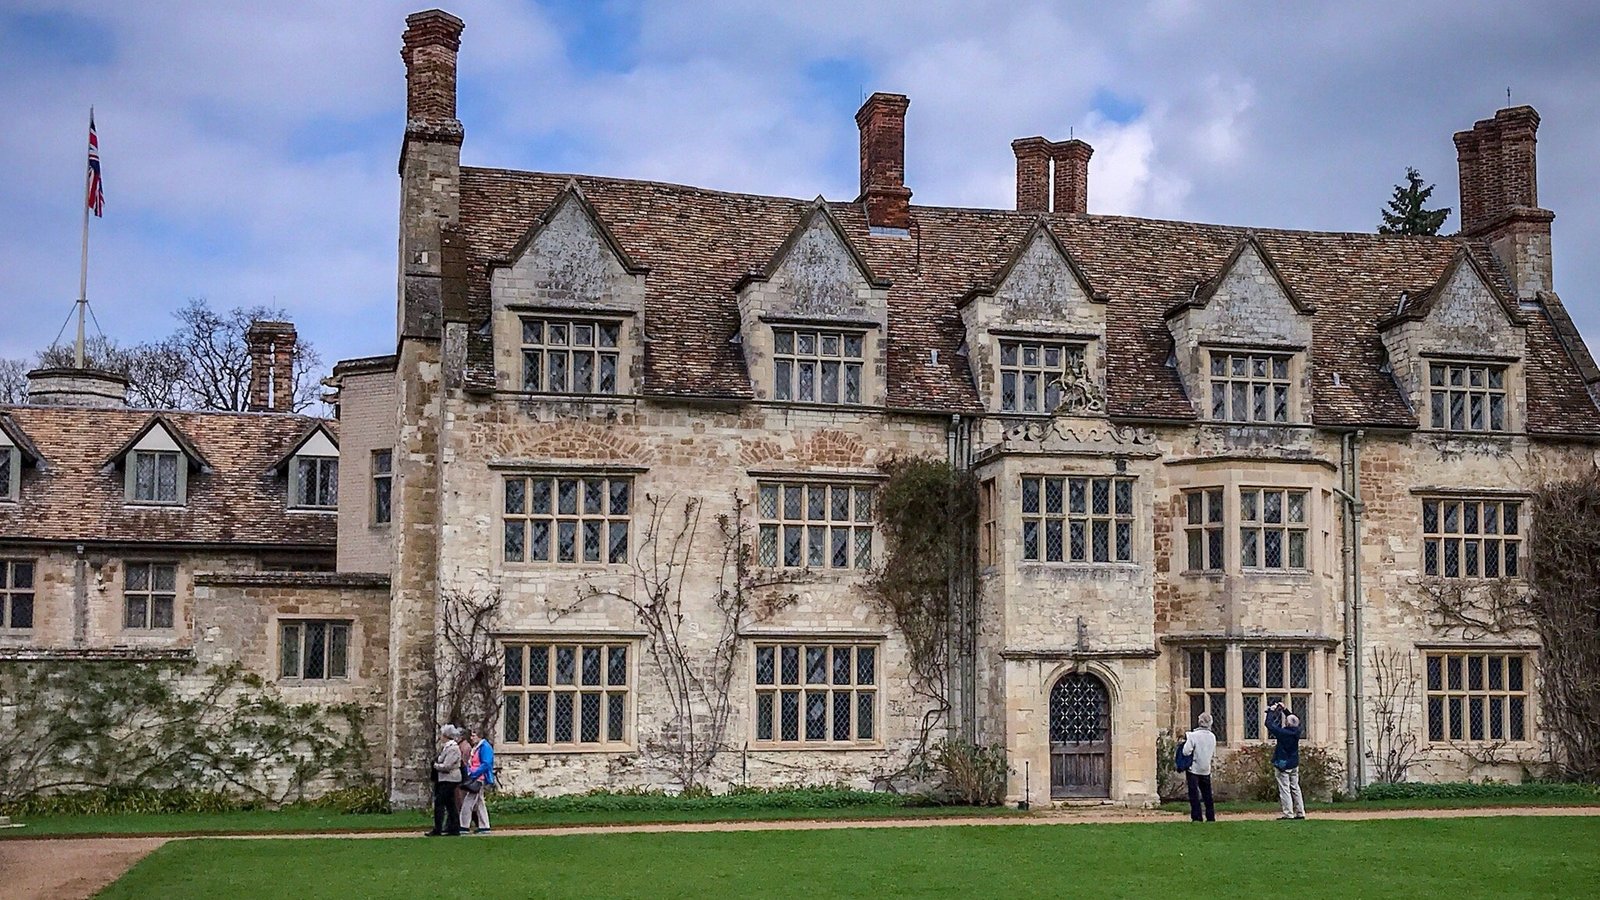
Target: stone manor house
1217, 467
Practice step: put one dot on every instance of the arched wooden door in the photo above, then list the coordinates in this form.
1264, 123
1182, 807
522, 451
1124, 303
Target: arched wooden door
1080, 737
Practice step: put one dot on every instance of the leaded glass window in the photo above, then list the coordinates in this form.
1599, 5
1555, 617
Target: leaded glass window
1478, 696
1206, 687
1077, 519
1269, 676
1465, 538
1203, 529
149, 595
1467, 396
156, 477
16, 592
1249, 387
570, 356
815, 525
1032, 372
566, 518
811, 694
312, 650
1273, 528
567, 696
316, 482
813, 366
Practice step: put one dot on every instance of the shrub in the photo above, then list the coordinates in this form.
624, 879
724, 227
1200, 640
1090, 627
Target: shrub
1487, 790
970, 774
358, 799
124, 800
1170, 783
1247, 774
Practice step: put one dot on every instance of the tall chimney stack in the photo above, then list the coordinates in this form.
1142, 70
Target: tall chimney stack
430, 168
1500, 195
429, 47
1071, 175
882, 120
1033, 174
271, 346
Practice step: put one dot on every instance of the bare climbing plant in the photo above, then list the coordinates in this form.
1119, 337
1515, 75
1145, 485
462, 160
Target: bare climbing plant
694, 655
1476, 609
470, 659
1564, 575
1395, 745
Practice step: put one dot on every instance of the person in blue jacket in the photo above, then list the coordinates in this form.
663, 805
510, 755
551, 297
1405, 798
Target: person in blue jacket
480, 777
1285, 727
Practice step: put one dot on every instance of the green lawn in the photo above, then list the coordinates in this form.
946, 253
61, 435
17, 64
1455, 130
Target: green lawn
1398, 803
314, 820
1455, 858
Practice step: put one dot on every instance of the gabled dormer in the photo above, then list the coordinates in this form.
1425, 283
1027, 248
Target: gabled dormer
17, 452
1035, 333
1456, 349
1241, 342
814, 320
312, 468
156, 464
568, 305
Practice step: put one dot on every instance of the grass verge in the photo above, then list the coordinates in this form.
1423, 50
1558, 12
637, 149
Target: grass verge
1457, 858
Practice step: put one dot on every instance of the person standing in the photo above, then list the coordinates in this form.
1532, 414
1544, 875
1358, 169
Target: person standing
1285, 727
1201, 745
480, 777
446, 778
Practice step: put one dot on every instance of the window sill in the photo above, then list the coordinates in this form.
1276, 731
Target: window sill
151, 504
1502, 744
819, 746
316, 510
1080, 566
522, 750
1287, 574
543, 566
336, 681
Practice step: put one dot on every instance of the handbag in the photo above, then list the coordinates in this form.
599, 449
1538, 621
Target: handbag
1182, 761
472, 787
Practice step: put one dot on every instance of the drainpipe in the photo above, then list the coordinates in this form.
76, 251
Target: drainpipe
1354, 727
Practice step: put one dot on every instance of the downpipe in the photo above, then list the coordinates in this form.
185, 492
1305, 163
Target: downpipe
1354, 707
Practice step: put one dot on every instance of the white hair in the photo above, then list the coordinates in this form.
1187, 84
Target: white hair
1294, 721
1205, 720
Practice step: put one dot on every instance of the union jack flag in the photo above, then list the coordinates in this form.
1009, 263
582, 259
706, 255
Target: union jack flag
97, 194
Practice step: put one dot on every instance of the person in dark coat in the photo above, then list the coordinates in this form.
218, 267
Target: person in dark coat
1285, 727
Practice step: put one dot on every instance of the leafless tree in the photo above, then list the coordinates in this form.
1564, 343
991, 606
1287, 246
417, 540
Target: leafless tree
13, 380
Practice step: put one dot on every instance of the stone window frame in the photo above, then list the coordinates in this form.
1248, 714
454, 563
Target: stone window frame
18, 589
135, 484
1208, 692
595, 350
771, 688
1019, 371
790, 365
1438, 533
382, 468
320, 491
1234, 387
1443, 390
614, 689
523, 509
1120, 511
151, 594
332, 650
775, 523
1450, 693
988, 523
1262, 528
1266, 690
1206, 536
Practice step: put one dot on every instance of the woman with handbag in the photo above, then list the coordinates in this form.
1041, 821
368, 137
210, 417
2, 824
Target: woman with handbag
480, 776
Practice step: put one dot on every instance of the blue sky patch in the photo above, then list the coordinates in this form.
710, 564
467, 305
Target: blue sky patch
1115, 107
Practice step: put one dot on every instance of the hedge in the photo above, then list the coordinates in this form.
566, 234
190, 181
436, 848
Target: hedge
1487, 790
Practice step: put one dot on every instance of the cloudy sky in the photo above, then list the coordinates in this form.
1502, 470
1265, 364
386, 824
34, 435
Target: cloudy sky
249, 154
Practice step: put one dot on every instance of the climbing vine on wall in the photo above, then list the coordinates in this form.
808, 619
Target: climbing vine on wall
84, 725
1564, 551
470, 663
927, 513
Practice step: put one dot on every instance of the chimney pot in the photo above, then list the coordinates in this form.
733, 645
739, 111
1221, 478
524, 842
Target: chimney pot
882, 120
1033, 174
1071, 175
271, 346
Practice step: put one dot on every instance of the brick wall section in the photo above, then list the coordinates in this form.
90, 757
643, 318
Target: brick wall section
1071, 175
429, 48
366, 424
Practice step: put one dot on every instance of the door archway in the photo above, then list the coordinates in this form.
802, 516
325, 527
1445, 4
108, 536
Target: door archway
1080, 737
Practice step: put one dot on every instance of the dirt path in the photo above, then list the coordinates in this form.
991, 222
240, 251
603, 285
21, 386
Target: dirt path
54, 870
62, 868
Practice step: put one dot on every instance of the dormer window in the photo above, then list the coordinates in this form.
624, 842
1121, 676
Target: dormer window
10, 468
315, 482
1032, 373
812, 366
1467, 396
570, 356
1250, 386
156, 477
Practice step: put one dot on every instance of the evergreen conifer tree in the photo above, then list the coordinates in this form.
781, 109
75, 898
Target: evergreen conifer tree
1406, 213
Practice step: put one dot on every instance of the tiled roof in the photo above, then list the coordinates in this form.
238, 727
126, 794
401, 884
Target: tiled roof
238, 501
697, 244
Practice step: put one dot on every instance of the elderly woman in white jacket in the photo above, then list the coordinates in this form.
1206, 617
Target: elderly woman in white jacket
446, 778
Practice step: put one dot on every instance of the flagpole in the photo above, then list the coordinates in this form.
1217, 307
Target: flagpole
83, 265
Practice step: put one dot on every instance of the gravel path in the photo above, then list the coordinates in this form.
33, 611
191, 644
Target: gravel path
62, 868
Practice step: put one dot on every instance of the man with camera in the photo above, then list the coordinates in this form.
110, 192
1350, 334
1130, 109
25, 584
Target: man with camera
1285, 727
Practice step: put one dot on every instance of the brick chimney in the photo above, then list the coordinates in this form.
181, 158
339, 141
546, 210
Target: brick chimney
1071, 175
271, 346
1033, 174
882, 120
429, 47
1500, 195
430, 168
